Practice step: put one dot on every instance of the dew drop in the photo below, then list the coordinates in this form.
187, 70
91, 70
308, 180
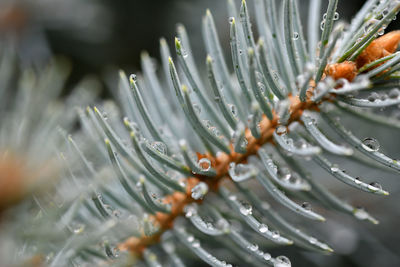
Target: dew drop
360, 214
196, 244
394, 93
222, 224
215, 131
295, 36
322, 25
190, 210
253, 247
133, 77
233, 197
281, 130
306, 206
370, 144
233, 110
245, 208
301, 144
282, 261
334, 168
231, 19
199, 191
370, 25
78, 228
373, 96
284, 174
267, 256
160, 147
313, 240
263, 228
275, 234
240, 172
204, 164
336, 16
357, 180
190, 238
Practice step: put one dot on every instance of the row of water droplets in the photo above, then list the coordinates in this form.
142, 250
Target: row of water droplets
247, 210
375, 97
322, 25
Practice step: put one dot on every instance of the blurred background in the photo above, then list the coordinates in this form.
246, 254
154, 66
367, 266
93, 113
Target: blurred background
97, 35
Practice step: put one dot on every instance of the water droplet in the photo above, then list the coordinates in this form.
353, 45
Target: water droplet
231, 19
240, 172
313, 240
284, 174
78, 228
117, 213
139, 184
281, 130
222, 224
336, 16
267, 256
159, 146
190, 210
370, 144
253, 247
394, 93
204, 164
196, 243
105, 115
199, 191
233, 110
301, 144
370, 24
282, 261
215, 131
306, 206
263, 228
373, 96
207, 123
357, 180
245, 208
360, 213
322, 25
294, 178
275, 234
295, 36
190, 238
233, 197
334, 168
133, 77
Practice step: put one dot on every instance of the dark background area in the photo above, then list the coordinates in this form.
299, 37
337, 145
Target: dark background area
126, 28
